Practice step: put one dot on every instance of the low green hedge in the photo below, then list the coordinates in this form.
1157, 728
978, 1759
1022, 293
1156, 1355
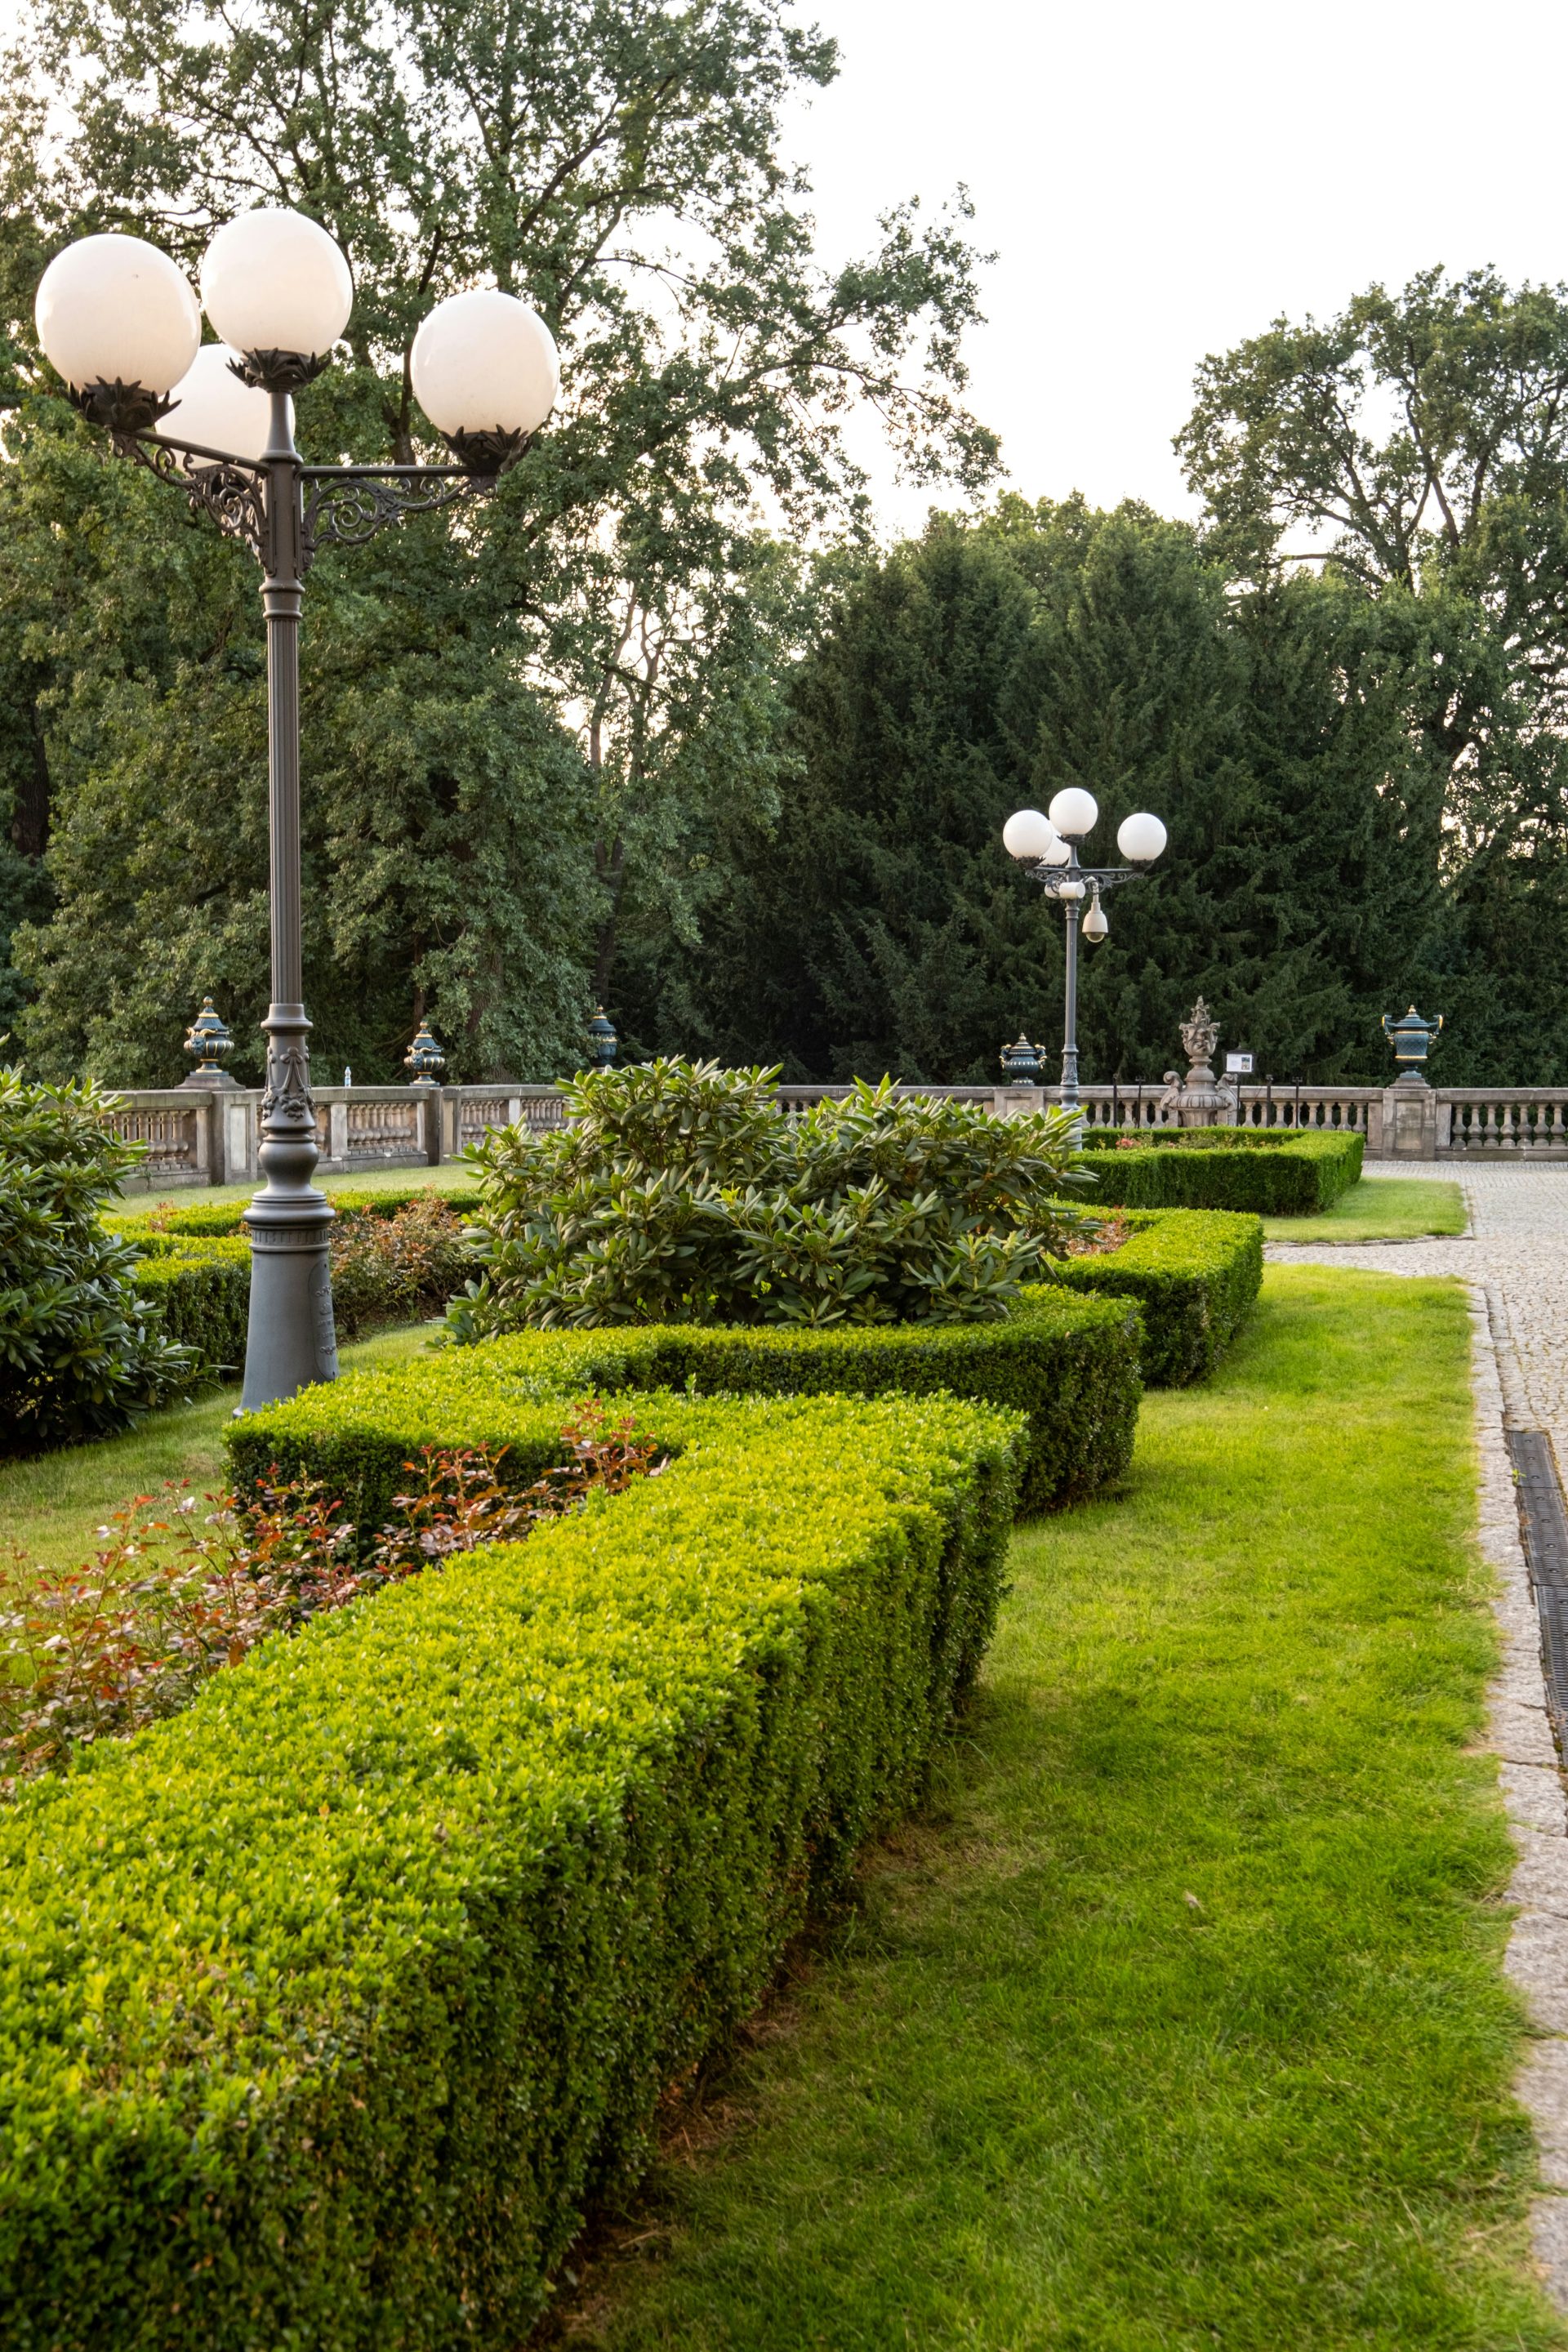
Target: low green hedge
1196, 1275
205, 1218
195, 1267
1070, 1363
1288, 1176
202, 1292
327, 2006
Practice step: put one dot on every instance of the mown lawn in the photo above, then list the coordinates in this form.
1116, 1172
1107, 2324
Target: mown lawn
1181, 2023
49, 1505
451, 1176
1379, 1209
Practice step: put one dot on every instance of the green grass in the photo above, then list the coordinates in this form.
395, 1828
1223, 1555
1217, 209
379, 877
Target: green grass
48, 1507
450, 1176
1379, 1209
1183, 2025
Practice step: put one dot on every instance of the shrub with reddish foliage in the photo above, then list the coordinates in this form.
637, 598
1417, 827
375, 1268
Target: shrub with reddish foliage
172, 1593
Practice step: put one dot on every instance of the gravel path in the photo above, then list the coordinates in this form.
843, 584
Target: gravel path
1515, 1260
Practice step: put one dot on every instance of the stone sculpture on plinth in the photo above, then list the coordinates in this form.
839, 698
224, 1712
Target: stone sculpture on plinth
1199, 1099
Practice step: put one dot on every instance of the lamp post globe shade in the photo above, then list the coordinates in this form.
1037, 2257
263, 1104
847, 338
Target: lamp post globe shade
1074, 813
485, 362
1140, 838
113, 309
274, 281
1027, 836
215, 410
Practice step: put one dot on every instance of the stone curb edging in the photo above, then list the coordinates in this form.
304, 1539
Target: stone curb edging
1530, 1776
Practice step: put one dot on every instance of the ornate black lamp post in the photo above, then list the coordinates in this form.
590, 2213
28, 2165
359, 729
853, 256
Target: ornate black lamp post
120, 323
1049, 846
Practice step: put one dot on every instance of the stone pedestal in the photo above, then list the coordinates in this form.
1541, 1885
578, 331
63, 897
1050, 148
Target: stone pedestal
1409, 1121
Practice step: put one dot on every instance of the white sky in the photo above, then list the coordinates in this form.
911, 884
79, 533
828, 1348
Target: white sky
1160, 181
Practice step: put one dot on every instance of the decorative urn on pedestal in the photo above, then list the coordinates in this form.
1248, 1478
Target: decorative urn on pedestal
1021, 1063
208, 1039
1411, 1038
602, 1040
424, 1060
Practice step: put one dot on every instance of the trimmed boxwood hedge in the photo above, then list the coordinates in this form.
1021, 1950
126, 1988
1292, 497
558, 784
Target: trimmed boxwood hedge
1196, 1275
202, 1292
1070, 1363
1289, 1176
327, 2006
195, 1266
208, 1218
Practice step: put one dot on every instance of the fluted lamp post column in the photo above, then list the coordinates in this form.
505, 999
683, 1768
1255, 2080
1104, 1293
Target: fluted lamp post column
1048, 845
122, 323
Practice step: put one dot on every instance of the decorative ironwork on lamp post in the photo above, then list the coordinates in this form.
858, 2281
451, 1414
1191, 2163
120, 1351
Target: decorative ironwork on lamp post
1049, 846
120, 322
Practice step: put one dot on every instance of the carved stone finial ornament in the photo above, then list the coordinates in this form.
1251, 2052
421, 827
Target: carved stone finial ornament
1200, 1035
1021, 1063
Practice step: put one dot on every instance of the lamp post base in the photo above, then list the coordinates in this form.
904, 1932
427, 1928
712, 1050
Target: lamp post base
291, 1343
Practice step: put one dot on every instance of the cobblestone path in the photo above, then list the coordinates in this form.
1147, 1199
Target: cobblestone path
1515, 1259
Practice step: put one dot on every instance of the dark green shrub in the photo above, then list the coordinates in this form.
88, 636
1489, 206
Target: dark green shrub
680, 1193
1196, 1275
1293, 1176
1069, 1364
330, 2002
80, 1353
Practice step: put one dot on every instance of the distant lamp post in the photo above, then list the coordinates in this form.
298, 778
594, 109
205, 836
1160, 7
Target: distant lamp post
1049, 846
121, 322
602, 1040
208, 1040
424, 1060
1412, 1039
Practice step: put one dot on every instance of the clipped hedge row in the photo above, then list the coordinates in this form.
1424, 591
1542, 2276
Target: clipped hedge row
327, 2006
1069, 1364
201, 1290
205, 1219
1196, 1275
1298, 1176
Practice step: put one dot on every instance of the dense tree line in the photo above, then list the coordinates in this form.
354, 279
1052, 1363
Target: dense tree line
612, 738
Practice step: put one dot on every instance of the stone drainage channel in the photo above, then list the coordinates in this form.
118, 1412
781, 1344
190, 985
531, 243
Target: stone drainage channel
1514, 1259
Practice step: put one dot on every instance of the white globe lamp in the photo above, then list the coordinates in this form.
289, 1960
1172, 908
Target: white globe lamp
114, 310
213, 409
485, 370
1074, 813
274, 282
1140, 838
1029, 836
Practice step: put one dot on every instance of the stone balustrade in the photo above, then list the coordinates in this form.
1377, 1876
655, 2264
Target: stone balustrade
210, 1135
